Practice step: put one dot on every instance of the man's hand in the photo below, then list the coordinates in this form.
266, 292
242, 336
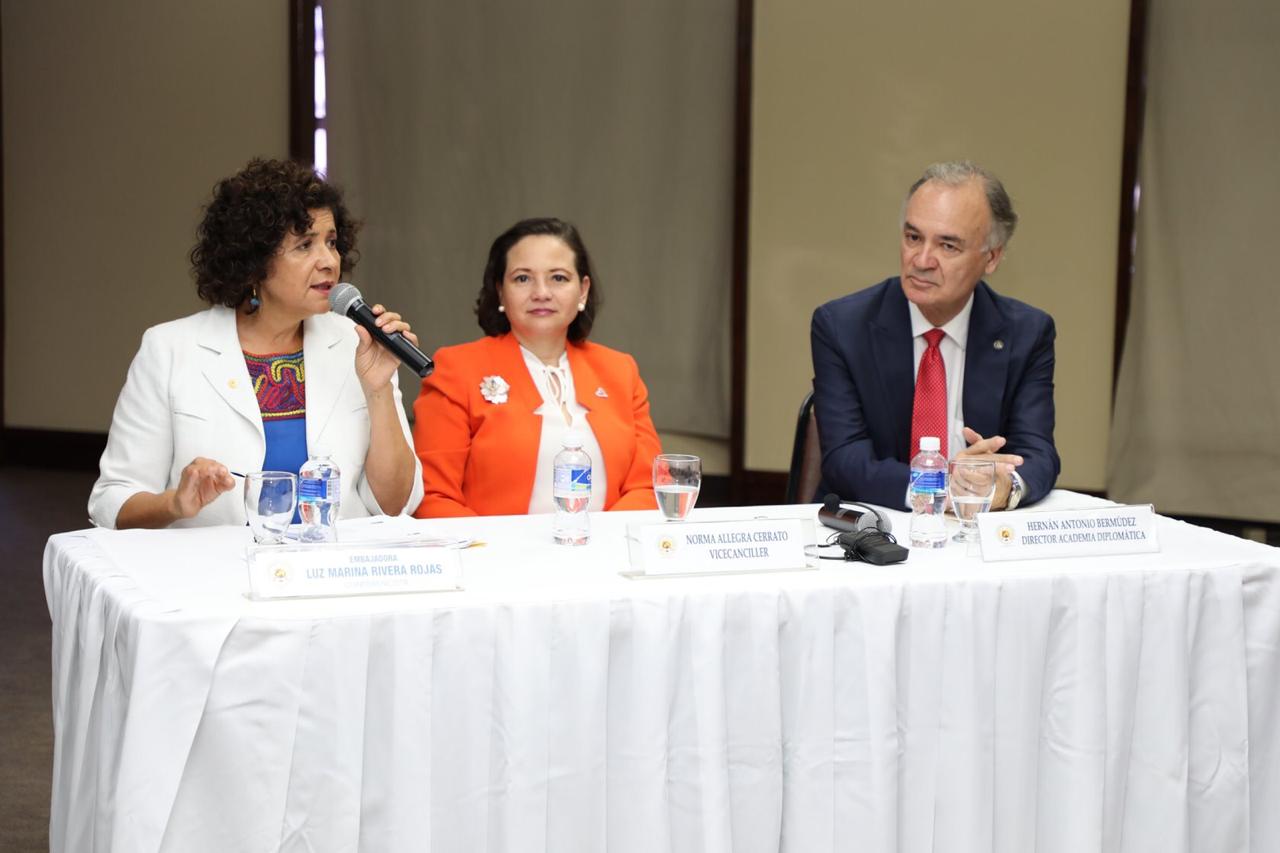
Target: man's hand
987, 450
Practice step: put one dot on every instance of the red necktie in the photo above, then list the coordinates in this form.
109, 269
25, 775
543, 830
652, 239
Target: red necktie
929, 411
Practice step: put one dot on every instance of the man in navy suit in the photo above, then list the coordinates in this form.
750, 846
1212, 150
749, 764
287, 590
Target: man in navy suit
997, 352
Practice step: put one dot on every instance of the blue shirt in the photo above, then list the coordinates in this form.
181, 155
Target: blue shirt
279, 383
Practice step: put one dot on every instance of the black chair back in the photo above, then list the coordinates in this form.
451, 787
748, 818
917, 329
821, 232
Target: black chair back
806, 457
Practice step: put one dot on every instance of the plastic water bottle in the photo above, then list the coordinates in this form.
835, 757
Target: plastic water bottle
319, 496
927, 494
571, 488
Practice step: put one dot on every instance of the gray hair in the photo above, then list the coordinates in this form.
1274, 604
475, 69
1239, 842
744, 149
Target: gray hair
956, 173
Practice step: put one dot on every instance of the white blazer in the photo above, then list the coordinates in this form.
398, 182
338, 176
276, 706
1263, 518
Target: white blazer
188, 394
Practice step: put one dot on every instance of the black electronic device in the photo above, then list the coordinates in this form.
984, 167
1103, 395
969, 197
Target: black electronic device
345, 299
872, 546
865, 532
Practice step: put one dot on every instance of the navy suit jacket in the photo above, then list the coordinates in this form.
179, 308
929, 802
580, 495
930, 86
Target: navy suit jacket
864, 382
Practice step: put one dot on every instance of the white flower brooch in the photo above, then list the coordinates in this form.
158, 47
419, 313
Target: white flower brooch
494, 389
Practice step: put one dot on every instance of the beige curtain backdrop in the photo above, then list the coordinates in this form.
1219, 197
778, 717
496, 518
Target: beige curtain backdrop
1197, 417
448, 122
118, 118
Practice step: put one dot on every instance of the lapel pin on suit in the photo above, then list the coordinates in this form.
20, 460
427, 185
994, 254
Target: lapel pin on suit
494, 389
998, 344
600, 392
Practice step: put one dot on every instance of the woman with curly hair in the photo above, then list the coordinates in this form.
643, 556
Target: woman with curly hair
264, 375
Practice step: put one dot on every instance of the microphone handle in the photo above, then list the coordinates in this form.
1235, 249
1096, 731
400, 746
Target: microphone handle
841, 518
400, 346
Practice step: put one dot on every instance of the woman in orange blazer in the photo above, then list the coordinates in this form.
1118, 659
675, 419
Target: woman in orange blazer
491, 417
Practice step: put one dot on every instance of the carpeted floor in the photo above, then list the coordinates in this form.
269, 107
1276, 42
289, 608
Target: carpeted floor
33, 505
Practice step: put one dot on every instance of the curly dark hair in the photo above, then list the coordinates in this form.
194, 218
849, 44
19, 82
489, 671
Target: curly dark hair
247, 219
493, 321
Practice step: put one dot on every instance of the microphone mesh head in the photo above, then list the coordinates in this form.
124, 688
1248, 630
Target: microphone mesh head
342, 297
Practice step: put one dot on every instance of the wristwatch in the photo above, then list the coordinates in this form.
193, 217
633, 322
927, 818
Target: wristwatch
1016, 488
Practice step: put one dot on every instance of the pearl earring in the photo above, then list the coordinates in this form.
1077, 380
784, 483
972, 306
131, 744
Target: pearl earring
582, 306
502, 309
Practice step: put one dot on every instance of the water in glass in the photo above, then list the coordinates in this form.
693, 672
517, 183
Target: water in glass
971, 485
677, 478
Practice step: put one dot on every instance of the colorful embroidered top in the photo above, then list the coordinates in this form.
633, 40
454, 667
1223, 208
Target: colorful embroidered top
279, 384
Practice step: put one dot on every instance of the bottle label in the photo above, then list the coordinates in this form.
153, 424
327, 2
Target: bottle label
928, 481
572, 481
315, 489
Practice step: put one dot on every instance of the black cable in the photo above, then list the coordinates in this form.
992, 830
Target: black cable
867, 546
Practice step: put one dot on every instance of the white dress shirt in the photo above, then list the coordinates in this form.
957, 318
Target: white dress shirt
555, 384
952, 347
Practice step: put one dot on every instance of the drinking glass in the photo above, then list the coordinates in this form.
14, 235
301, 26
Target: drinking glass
269, 500
971, 485
676, 480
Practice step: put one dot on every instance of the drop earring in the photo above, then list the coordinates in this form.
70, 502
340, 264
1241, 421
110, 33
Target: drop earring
254, 301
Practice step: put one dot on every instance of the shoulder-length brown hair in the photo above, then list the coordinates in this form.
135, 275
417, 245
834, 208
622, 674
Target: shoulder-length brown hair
493, 321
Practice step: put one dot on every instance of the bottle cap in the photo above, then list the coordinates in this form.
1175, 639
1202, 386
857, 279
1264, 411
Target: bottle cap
930, 442
572, 438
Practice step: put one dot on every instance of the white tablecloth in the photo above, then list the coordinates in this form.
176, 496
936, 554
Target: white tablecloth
945, 704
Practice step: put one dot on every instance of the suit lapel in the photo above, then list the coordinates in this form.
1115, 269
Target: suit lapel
223, 364
585, 378
324, 354
986, 363
519, 465
523, 394
606, 422
893, 357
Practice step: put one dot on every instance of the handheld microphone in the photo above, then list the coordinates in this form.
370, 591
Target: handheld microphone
865, 532
850, 519
345, 299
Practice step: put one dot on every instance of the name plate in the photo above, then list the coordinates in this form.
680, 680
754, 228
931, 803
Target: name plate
716, 547
1068, 533
322, 570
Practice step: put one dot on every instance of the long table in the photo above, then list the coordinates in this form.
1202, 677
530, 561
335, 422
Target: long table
944, 704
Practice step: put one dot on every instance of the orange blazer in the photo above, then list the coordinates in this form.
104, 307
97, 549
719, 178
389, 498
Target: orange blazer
478, 457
